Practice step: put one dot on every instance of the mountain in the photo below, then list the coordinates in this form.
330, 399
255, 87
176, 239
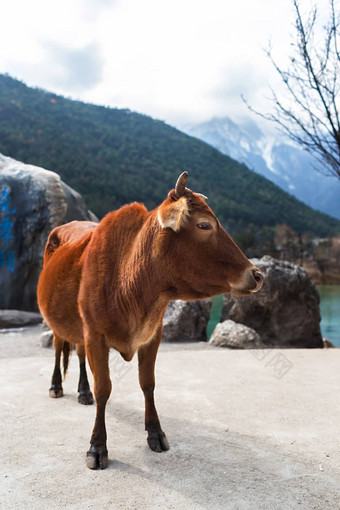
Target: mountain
114, 156
286, 165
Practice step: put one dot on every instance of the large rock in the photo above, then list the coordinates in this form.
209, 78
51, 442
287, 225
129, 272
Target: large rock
18, 319
32, 202
285, 312
235, 336
186, 321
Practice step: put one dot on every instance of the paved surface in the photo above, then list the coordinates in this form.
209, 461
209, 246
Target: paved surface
246, 432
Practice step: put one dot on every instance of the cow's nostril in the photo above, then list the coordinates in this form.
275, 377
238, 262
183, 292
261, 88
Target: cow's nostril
257, 275
258, 278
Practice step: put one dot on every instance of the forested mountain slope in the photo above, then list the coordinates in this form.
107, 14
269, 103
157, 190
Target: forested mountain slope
114, 156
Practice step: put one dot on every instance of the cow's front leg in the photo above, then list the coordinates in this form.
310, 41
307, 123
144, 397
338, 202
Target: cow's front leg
146, 359
98, 357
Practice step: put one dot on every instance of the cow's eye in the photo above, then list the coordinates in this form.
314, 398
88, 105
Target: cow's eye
205, 225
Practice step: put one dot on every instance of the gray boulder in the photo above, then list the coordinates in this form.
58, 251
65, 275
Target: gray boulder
285, 312
186, 321
235, 336
32, 202
18, 319
46, 337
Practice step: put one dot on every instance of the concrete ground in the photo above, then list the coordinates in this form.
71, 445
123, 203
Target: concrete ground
249, 430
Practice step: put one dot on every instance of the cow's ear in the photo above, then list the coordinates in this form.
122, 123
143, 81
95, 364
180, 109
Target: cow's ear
173, 215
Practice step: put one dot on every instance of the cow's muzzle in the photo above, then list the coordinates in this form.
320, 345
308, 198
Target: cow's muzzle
250, 282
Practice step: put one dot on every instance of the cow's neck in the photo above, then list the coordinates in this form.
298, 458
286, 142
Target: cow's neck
142, 293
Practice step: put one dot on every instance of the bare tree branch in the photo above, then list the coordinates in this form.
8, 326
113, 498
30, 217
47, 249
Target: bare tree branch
310, 115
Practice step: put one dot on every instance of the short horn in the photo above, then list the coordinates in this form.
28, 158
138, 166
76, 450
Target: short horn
181, 183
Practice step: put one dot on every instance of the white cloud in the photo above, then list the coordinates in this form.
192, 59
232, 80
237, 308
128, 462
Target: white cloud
77, 70
179, 60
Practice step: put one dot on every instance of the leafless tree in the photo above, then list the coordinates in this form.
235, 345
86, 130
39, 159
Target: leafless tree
309, 114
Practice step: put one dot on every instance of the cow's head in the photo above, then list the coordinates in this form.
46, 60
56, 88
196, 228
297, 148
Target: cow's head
202, 258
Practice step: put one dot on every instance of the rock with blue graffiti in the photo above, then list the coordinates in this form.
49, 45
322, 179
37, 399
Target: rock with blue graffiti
32, 202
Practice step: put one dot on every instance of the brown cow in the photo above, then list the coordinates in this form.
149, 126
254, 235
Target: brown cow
108, 285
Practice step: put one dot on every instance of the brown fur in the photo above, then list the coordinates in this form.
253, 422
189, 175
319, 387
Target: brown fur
108, 285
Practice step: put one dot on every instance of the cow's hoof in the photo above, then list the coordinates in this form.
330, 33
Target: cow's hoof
97, 456
157, 441
85, 398
56, 391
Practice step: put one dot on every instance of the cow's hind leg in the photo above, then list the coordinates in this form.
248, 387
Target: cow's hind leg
157, 440
98, 356
56, 389
85, 396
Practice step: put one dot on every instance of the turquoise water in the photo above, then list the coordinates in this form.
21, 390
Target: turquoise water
330, 312
215, 314
329, 307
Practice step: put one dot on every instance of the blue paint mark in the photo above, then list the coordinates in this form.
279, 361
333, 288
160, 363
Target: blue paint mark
5, 230
7, 259
4, 201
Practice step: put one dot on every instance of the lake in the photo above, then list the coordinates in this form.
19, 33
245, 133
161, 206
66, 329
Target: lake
329, 306
330, 312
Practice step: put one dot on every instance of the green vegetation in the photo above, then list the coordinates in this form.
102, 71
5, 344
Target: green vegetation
114, 156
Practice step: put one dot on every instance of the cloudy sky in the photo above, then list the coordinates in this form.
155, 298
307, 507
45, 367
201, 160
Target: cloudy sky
176, 60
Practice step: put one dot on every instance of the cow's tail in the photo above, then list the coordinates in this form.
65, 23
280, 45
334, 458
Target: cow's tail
67, 350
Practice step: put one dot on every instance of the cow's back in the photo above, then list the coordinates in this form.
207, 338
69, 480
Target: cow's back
59, 281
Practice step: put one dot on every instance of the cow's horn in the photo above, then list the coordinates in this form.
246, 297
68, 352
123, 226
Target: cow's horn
180, 184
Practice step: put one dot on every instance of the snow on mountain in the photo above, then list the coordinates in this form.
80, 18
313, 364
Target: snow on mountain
291, 168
